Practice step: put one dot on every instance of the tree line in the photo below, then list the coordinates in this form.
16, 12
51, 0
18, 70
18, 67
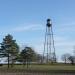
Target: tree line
68, 58
10, 49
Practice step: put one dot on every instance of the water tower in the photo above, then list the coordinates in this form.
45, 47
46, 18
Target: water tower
49, 48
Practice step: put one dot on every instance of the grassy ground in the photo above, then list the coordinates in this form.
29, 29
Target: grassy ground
46, 67
39, 68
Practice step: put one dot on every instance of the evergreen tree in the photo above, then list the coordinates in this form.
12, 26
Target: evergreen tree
27, 55
10, 48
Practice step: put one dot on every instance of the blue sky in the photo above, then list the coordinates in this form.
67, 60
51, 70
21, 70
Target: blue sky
25, 20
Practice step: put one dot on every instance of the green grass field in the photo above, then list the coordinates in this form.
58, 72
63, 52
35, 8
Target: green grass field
39, 68
46, 67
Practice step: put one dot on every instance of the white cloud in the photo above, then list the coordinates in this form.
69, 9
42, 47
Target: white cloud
28, 28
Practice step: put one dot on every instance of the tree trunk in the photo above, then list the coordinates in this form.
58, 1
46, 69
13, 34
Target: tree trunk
8, 60
12, 64
65, 61
72, 62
